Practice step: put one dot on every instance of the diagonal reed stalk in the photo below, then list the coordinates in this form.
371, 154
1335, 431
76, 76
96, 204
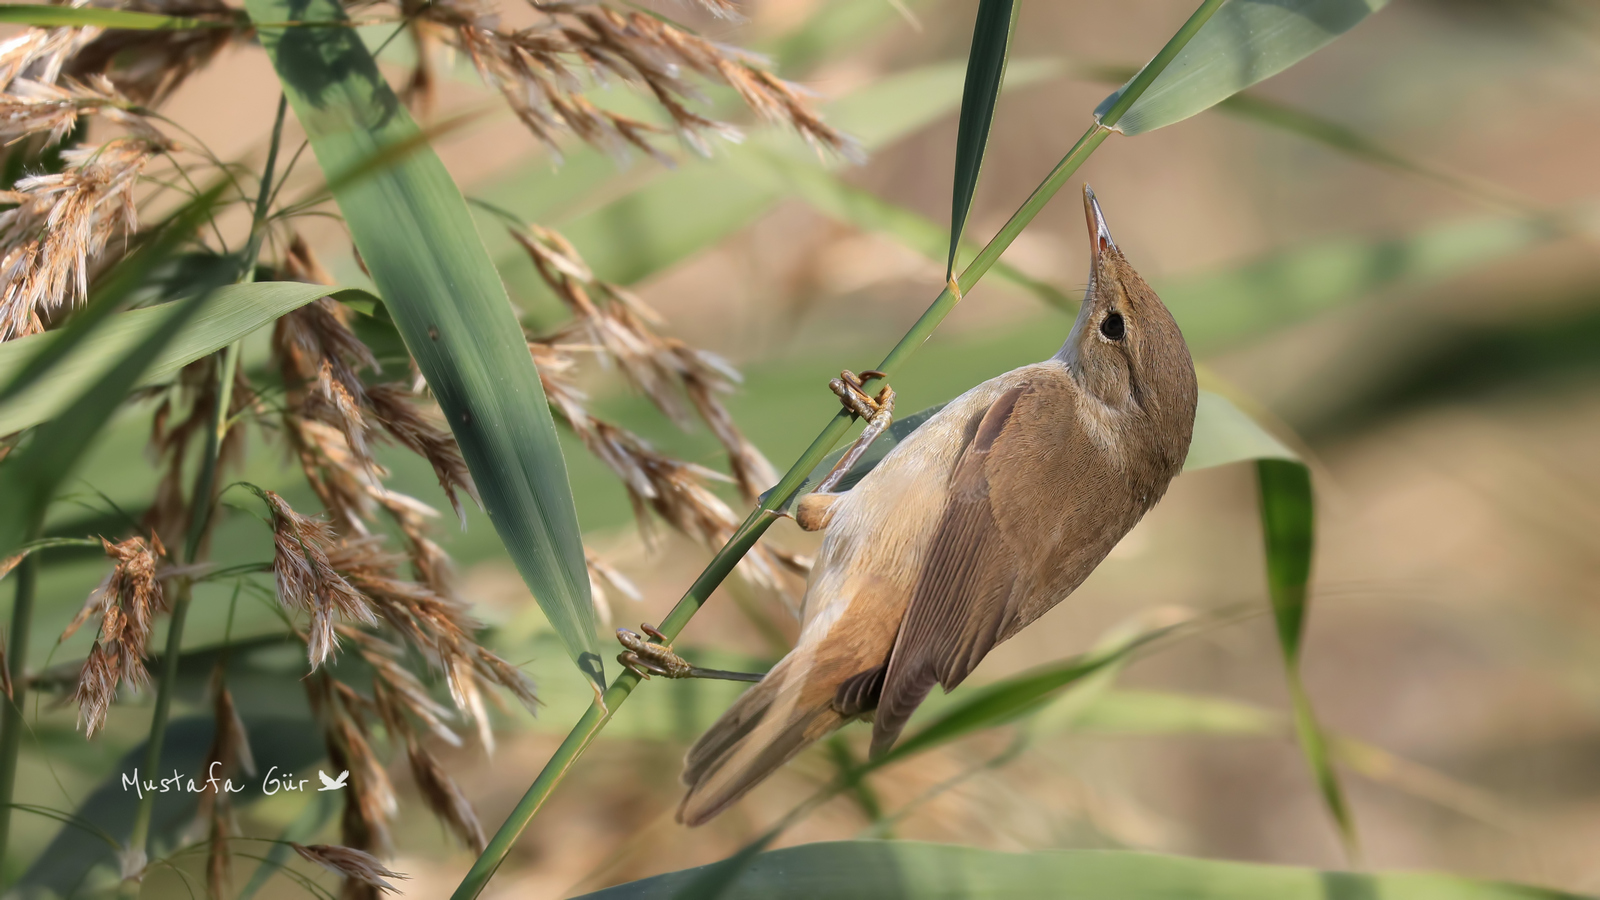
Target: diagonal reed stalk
762, 517
200, 507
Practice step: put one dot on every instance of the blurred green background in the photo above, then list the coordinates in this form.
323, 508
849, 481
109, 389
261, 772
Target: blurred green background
1433, 341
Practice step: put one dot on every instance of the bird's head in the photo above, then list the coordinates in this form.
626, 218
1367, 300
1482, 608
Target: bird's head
1125, 349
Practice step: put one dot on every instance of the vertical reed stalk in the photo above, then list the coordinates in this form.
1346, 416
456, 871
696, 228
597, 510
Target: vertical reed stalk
11, 723
201, 502
762, 517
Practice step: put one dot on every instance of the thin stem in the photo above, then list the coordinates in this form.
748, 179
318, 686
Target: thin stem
762, 517
11, 723
201, 503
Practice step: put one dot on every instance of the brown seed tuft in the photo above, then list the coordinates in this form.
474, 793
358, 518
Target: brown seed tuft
444, 797
128, 602
307, 581
60, 224
349, 862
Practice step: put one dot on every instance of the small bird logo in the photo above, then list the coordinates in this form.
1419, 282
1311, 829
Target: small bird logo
332, 784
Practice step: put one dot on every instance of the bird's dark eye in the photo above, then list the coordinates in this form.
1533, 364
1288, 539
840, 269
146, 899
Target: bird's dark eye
1111, 326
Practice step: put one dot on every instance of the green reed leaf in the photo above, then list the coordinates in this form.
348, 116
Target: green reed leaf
234, 311
986, 71
1245, 42
417, 238
29, 477
910, 870
85, 16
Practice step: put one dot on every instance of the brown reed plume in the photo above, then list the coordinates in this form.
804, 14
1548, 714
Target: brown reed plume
542, 71
61, 222
229, 755
127, 601
306, 579
370, 800
149, 65
623, 330
351, 864
674, 490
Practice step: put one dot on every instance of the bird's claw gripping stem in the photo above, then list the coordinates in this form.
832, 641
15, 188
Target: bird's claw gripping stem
878, 411
645, 657
649, 654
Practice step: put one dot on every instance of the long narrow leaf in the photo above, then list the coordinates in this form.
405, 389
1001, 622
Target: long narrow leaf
908, 870
234, 311
29, 478
112, 293
1245, 42
417, 238
986, 71
84, 16
1288, 525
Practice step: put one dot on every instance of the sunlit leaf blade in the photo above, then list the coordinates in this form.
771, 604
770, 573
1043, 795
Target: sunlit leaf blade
82, 16
29, 477
1243, 43
417, 238
234, 311
908, 870
1004, 701
986, 71
1288, 525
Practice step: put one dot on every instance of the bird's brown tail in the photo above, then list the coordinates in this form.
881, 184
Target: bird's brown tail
764, 729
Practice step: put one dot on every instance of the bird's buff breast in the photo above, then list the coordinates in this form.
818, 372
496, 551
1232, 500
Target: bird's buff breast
880, 530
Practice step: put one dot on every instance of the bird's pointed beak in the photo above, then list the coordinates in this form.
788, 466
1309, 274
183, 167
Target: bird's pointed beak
1099, 233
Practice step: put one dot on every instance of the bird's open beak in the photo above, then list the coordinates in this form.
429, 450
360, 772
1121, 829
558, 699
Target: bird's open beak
1099, 233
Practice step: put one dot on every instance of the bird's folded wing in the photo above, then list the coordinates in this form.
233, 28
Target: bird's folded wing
960, 601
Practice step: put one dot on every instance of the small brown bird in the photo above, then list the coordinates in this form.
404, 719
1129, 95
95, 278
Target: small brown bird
985, 517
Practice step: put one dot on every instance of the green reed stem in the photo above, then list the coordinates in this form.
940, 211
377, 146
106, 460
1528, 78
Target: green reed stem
762, 517
201, 503
11, 723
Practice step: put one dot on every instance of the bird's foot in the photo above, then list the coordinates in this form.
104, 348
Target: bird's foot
649, 654
854, 396
645, 657
878, 411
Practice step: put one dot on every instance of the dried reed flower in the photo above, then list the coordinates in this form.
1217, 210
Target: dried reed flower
39, 54
307, 581
128, 602
35, 107
195, 392
541, 73
675, 490
444, 797
602, 575
228, 755
440, 627
11, 562
61, 223
370, 800
622, 327
350, 863
722, 9
149, 65
404, 421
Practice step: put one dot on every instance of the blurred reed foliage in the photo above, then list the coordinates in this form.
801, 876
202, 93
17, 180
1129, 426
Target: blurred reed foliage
310, 614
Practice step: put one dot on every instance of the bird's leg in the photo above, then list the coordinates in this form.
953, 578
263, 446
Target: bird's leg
649, 654
878, 411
